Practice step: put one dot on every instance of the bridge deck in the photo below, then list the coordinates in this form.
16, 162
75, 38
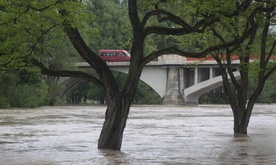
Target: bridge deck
158, 63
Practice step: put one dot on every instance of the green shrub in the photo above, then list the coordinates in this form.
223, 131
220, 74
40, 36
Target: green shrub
4, 103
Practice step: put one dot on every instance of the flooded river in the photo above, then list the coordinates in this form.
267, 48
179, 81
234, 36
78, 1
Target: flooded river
154, 135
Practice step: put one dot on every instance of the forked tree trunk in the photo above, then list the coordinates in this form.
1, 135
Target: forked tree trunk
112, 131
238, 106
242, 116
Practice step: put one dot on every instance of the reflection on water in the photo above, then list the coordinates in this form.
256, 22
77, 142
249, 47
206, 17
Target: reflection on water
154, 135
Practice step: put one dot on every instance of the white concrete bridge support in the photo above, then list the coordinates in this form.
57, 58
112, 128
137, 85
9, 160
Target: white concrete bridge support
201, 75
173, 93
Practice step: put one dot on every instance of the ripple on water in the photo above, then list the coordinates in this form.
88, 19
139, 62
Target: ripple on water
153, 135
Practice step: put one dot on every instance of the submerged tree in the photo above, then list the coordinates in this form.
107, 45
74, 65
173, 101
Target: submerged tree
31, 21
259, 47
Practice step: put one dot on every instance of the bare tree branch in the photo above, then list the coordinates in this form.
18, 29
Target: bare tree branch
203, 53
64, 73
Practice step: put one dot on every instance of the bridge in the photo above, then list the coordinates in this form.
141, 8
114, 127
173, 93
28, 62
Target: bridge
178, 80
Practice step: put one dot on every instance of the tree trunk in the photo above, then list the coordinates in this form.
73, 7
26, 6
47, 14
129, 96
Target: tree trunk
242, 117
240, 126
241, 120
115, 121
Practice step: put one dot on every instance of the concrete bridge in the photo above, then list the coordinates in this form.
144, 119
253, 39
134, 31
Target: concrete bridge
178, 80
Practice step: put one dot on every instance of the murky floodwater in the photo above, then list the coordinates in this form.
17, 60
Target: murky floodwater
154, 135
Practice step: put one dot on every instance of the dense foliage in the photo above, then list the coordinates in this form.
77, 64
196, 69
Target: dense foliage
22, 89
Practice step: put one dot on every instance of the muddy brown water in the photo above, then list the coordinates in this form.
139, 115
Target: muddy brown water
68, 135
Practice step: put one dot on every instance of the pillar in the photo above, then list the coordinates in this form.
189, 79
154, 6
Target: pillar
196, 75
173, 95
211, 73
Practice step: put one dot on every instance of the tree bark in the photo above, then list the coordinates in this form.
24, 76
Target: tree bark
240, 122
112, 132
